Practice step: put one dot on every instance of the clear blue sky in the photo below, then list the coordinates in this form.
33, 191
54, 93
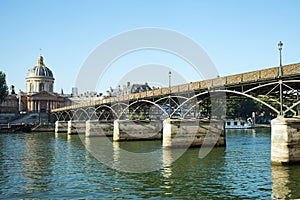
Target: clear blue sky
239, 36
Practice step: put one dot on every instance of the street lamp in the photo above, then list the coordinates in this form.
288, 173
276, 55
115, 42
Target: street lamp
280, 44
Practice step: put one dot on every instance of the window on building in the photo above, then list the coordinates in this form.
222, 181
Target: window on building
41, 87
31, 87
50, 88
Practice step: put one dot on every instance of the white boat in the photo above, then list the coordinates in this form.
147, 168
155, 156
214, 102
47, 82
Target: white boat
237, 124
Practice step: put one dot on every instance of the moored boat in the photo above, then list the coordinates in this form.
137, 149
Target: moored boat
237, 124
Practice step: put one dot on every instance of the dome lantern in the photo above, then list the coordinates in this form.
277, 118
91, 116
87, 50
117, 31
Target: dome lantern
40, 61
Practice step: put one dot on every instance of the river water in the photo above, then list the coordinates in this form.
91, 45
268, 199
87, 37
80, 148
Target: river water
49, 166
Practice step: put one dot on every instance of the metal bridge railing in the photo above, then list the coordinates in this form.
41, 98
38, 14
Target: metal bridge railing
266, 74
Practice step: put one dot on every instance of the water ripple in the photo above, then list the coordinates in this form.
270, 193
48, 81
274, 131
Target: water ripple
42, 166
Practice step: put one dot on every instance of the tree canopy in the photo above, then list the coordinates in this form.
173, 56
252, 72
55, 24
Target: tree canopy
3, 87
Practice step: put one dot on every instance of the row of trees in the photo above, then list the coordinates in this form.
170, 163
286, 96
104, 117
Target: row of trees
241, 107
3, 87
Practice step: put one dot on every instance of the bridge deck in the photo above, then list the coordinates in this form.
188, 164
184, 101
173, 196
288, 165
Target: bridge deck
238, 80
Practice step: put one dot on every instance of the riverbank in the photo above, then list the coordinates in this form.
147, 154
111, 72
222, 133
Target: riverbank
26, 128
15, 128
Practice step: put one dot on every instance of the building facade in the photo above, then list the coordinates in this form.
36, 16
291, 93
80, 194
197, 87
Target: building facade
39, 96
39, 89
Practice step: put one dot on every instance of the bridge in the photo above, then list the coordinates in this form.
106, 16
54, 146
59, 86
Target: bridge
276, 88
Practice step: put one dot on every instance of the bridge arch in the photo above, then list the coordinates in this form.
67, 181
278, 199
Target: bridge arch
79, 113
171, 97
188, 100
266, 87
141, 100
119, 104
64, 115
251, 97
105, 106
54, 117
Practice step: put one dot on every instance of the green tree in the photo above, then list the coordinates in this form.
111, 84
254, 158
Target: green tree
3, 87
131, 115
239, 106
142, 115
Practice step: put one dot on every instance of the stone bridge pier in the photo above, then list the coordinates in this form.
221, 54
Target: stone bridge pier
172, 132
285, 142
96, 128
76, 127
61, 126
137, 130
193, 132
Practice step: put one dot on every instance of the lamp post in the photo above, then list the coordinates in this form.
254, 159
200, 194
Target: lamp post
170, 73
169, 94
280, 44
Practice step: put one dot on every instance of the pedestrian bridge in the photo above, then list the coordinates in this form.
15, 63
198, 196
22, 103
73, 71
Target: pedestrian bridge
192, 114
276, 88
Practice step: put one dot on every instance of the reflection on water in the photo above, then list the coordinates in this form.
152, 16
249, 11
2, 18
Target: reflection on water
38, 164
247, 163
286, 182
45, 165
25, 164
137, 157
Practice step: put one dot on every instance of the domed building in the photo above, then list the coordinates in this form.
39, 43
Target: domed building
39, 89
38, 99
39, 78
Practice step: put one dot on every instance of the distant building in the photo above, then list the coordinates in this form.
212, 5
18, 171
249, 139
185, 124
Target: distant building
10, 103
39, 96
137, 88
39, 89
128, 89
74, 92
